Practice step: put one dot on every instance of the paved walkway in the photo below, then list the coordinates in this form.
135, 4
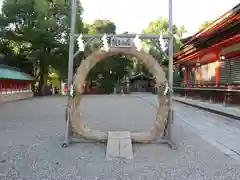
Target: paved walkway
220, 131
31, 132
230, 111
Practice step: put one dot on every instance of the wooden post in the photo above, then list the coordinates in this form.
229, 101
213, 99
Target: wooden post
217, 72
186, 76
198, 76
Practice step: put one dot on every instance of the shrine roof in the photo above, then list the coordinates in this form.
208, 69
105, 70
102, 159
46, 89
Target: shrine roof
141, 75
216, 24
7, 72
222, 28
185, 40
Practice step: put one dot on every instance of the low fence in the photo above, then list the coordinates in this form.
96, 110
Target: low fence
212, 92
7, 95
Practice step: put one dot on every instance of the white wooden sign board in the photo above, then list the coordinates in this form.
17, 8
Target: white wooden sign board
118, 42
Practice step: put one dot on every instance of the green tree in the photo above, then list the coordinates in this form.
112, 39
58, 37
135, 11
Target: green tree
98, 27
102, 26
110, 71
40, 30
204, 24
160, 26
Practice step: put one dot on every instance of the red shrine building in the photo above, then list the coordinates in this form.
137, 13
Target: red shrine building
15, 85
209, 62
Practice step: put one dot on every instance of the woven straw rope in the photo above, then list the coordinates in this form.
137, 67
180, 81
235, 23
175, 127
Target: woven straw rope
155, 69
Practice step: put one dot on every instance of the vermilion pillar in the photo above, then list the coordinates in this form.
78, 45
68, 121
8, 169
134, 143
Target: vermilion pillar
198, 76
185, 75
217, 72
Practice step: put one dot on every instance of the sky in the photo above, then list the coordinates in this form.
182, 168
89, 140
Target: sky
135, 15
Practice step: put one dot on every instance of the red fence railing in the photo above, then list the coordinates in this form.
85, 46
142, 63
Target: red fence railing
207, 86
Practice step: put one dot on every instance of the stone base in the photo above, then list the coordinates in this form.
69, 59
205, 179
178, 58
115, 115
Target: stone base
119, 145
16, 96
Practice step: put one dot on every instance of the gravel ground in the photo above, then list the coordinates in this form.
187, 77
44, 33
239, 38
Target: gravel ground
31, 132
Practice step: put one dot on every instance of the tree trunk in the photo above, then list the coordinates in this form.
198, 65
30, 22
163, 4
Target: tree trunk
43, 77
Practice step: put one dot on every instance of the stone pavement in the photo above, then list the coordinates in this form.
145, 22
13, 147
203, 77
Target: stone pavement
227, 110
31, 132
220, 131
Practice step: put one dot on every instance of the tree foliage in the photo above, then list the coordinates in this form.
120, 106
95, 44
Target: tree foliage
39, 31
100, 26
35, 37
160, 26
111, 70
204, 24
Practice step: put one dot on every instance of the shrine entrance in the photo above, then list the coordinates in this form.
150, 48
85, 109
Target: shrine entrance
154, 68
114, 44
142, 83
127, 44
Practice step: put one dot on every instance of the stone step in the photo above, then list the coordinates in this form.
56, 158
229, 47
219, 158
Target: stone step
119, 145
125, 148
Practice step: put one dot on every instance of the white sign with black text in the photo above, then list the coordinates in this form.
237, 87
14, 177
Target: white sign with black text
123, 42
